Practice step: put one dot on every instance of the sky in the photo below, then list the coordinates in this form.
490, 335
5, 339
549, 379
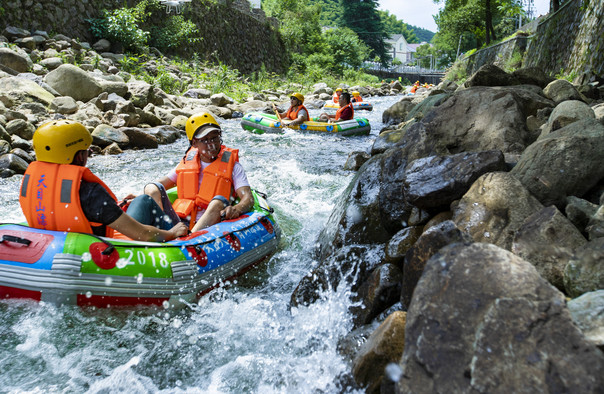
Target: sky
419, 12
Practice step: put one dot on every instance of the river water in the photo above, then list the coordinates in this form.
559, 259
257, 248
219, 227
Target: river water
241, 338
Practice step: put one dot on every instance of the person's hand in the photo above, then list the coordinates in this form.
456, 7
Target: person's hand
130, 196
230, 212
179, 230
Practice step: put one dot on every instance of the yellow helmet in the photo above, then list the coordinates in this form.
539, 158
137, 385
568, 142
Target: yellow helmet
299, 96
198, 120
338, 89
355, 93
58, 141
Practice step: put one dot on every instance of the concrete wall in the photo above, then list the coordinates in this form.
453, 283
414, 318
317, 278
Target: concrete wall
498, 54
231, 31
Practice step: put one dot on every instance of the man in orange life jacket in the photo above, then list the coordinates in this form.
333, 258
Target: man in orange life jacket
207, 178
356, 97
297, 112
346, 112
59, 193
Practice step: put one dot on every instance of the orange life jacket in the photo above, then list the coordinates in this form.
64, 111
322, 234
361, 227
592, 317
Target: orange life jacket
294, 115
357, 99
339, 112
217, 180
50, 197
336, 98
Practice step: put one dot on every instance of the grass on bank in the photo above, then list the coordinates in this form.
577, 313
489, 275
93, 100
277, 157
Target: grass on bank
221, 78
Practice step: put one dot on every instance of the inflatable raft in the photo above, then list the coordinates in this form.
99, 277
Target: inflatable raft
86, 270
362, 106
261, 123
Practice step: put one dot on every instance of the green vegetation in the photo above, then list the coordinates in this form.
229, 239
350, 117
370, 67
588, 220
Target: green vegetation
570, 77
514, 62
125, 25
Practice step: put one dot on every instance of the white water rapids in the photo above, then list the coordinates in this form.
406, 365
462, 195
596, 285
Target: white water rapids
241, 338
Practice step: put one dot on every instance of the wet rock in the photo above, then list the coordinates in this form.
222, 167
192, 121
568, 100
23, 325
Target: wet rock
70, 80
400, 243
384, 346
380, 291
104, 135
566, 162
356, 160
428, 244
397, 113
149, 118
13, 162
584, 273
494, 209
179, 122
64, 105
112, 149
561, 90
350, 344
496, 326
18, 142
14, 61
587, 312
435, 182
595, 227
547, 239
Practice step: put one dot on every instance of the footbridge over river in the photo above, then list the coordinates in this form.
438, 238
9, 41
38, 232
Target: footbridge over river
421, 75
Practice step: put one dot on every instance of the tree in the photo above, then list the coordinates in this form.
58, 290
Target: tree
345, 48
394, 26
362, 17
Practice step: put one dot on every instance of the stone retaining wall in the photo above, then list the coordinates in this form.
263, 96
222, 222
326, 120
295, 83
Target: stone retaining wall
232, 33
570, 41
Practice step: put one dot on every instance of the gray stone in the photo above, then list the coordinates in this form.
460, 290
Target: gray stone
483, 320
64, 105
584, 272
588, 312
561, 90
21, 128
14, 60
13, 162
70, 80
103, 135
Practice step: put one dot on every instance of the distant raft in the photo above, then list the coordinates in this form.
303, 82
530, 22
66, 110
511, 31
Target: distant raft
362, 106
260, 123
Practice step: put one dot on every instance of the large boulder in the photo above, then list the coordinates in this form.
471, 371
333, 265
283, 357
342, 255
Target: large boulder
566, 113
491, 75
436, 181
472, 120
547, 239
14, 60
494, 209
584, 272
483, 320
565, 162
588, 312
72, 81
561, 90
24, 90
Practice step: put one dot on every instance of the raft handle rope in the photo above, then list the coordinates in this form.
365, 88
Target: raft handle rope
18, 240
264, 196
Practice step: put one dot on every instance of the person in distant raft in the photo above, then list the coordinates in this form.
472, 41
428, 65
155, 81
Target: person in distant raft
336, 96
356, 97
208, 178
346, 112
297, 112
59, 193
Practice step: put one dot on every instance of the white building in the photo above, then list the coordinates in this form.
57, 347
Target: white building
400, 49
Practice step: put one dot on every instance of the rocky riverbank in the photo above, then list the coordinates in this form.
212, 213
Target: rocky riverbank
473, 233
44, 78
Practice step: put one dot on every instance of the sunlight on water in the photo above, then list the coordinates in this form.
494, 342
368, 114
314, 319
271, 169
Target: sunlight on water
243, 338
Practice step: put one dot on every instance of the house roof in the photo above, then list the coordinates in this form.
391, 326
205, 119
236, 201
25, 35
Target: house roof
413, 47
394, 38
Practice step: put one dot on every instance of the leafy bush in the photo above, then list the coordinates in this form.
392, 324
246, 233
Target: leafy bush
122, 25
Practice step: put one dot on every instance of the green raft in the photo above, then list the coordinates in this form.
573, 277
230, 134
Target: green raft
260, 123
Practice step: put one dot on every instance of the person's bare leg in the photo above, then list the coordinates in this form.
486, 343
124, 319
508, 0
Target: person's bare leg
154, 192
211, 216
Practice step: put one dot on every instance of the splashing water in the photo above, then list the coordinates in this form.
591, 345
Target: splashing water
242, 338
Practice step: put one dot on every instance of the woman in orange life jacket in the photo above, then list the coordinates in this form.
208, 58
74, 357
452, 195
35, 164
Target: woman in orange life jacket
59, 193
336, 96
208, 177
297, 112
346, 112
